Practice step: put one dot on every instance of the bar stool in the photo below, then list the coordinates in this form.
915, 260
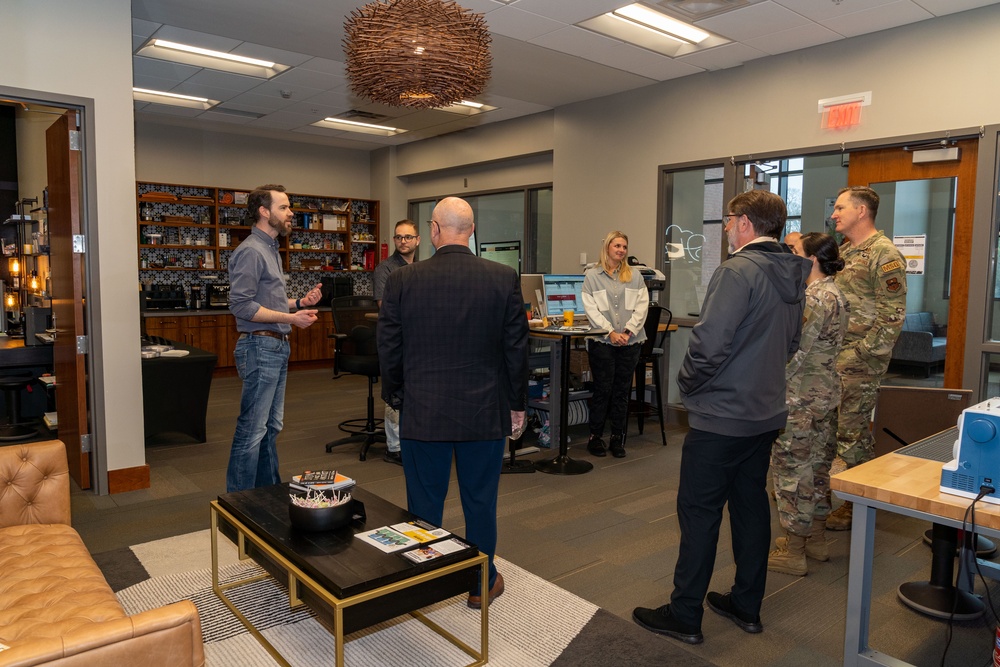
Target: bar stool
650, 355
13, 429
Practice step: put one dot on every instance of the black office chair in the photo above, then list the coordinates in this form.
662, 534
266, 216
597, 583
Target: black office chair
650, 355
355, 352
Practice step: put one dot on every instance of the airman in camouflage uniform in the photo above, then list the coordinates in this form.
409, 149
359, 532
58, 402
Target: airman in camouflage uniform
874, 282
802, 455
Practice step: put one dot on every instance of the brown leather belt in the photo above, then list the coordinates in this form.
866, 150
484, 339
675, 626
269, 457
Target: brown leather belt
268, 333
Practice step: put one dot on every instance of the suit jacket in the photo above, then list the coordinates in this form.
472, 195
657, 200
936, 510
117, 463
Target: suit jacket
453, 347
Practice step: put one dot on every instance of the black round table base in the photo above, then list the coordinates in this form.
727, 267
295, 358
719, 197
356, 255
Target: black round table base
516, 466
985, 548
564, 465
940, 601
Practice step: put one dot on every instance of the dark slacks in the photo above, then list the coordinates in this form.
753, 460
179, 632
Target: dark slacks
715, 470
427, 467
612, 367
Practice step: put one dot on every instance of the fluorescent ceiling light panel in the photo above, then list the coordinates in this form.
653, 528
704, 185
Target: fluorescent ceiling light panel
355, 126
195, 55
467, 108
173, 99
654, 20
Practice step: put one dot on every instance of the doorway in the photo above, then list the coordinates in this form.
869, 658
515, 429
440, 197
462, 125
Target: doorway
937, 198
52, 167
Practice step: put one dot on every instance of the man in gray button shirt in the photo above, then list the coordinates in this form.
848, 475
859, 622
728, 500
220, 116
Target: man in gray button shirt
259, 301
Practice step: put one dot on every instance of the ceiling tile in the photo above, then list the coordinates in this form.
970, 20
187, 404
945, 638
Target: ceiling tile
330, 99
800, 37
878, 18
162, 69
569, 12
309, 79
518, 24
578, 42
142, 28
723, 57
942, 7
821, 11
224, 80
319, 111
757, 20
223, 117
649, 64
260, 103
334, 67
171, 110
211, 92
292, 92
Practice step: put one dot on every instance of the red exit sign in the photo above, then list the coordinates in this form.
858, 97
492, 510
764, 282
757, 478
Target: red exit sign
841, 116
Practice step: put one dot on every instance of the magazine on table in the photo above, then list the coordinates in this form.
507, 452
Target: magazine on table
402, 535
436, 550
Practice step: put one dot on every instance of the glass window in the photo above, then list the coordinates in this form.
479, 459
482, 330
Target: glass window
523, 215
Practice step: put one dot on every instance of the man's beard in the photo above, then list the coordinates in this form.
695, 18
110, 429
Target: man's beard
283, 230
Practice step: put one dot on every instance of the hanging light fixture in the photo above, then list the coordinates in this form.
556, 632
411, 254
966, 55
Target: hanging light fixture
417, 53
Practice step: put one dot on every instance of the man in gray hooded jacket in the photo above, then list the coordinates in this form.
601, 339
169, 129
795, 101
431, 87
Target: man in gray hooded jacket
732, 383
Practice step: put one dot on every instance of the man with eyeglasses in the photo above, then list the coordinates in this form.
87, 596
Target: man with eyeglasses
407, 239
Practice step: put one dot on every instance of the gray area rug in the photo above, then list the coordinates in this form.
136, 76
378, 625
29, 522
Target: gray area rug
534, 623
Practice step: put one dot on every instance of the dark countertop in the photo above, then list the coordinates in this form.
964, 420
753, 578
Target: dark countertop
13, 352
184, 312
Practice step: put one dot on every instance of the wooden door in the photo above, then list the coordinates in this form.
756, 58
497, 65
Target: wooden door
64, 215
895, 164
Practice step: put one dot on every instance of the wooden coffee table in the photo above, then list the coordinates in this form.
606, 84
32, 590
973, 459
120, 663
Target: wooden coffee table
349, 584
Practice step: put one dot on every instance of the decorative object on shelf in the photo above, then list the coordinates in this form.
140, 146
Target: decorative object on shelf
417, 53
316, 511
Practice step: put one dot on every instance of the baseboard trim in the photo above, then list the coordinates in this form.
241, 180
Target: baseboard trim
128, 479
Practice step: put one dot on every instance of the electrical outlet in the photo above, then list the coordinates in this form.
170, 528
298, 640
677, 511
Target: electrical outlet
583, 259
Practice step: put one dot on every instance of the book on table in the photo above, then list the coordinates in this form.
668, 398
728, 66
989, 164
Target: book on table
321, 480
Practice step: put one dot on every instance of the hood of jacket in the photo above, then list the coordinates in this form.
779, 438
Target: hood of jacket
786, 271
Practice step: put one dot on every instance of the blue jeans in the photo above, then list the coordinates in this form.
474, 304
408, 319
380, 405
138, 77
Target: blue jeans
262, 363
427, 468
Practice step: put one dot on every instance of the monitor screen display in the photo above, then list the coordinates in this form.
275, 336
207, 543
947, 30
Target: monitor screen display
563, 292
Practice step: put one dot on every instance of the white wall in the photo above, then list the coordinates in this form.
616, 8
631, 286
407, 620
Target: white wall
83, 49
171, 154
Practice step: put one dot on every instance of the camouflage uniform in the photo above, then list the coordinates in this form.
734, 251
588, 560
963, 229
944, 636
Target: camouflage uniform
801, 456
874, 282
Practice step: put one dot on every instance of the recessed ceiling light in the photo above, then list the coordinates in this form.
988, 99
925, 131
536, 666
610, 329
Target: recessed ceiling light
174, 99
354, 126
467, 108
650, 18
195, 55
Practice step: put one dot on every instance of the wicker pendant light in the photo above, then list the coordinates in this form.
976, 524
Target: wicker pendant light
417, 53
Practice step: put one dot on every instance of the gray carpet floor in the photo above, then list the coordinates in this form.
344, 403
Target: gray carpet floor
609, 536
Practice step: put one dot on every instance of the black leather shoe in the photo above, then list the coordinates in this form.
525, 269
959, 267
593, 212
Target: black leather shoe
596, 447
723, 606
617, 446
393, 457
662, 622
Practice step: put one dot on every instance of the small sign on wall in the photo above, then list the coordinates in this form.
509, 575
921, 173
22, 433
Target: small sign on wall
844, 111
913, 249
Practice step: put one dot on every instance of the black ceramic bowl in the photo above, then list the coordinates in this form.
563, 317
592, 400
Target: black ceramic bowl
314, 520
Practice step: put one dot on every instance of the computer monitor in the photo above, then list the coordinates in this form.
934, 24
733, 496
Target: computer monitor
563, 292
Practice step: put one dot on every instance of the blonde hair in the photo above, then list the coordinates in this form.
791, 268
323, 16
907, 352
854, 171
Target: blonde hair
624, 270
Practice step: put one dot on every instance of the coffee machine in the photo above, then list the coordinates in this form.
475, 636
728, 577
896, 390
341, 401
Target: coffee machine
217, 295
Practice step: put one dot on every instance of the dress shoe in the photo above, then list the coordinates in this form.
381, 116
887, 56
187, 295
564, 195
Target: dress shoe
617, 446
662, 621
393, 457
723, 606
596, 446
476, 601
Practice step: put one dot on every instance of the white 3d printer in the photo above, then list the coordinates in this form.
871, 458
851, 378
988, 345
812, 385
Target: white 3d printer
976, 461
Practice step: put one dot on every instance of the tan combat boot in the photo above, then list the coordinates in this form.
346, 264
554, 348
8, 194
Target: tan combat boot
790, 556
816, 546
840, 518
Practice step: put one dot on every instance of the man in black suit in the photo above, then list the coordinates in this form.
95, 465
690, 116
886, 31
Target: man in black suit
452, 345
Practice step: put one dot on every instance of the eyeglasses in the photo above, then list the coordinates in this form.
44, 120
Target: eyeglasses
725, 218
403, 237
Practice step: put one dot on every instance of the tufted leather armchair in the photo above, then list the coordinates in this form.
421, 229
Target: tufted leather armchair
55, 606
